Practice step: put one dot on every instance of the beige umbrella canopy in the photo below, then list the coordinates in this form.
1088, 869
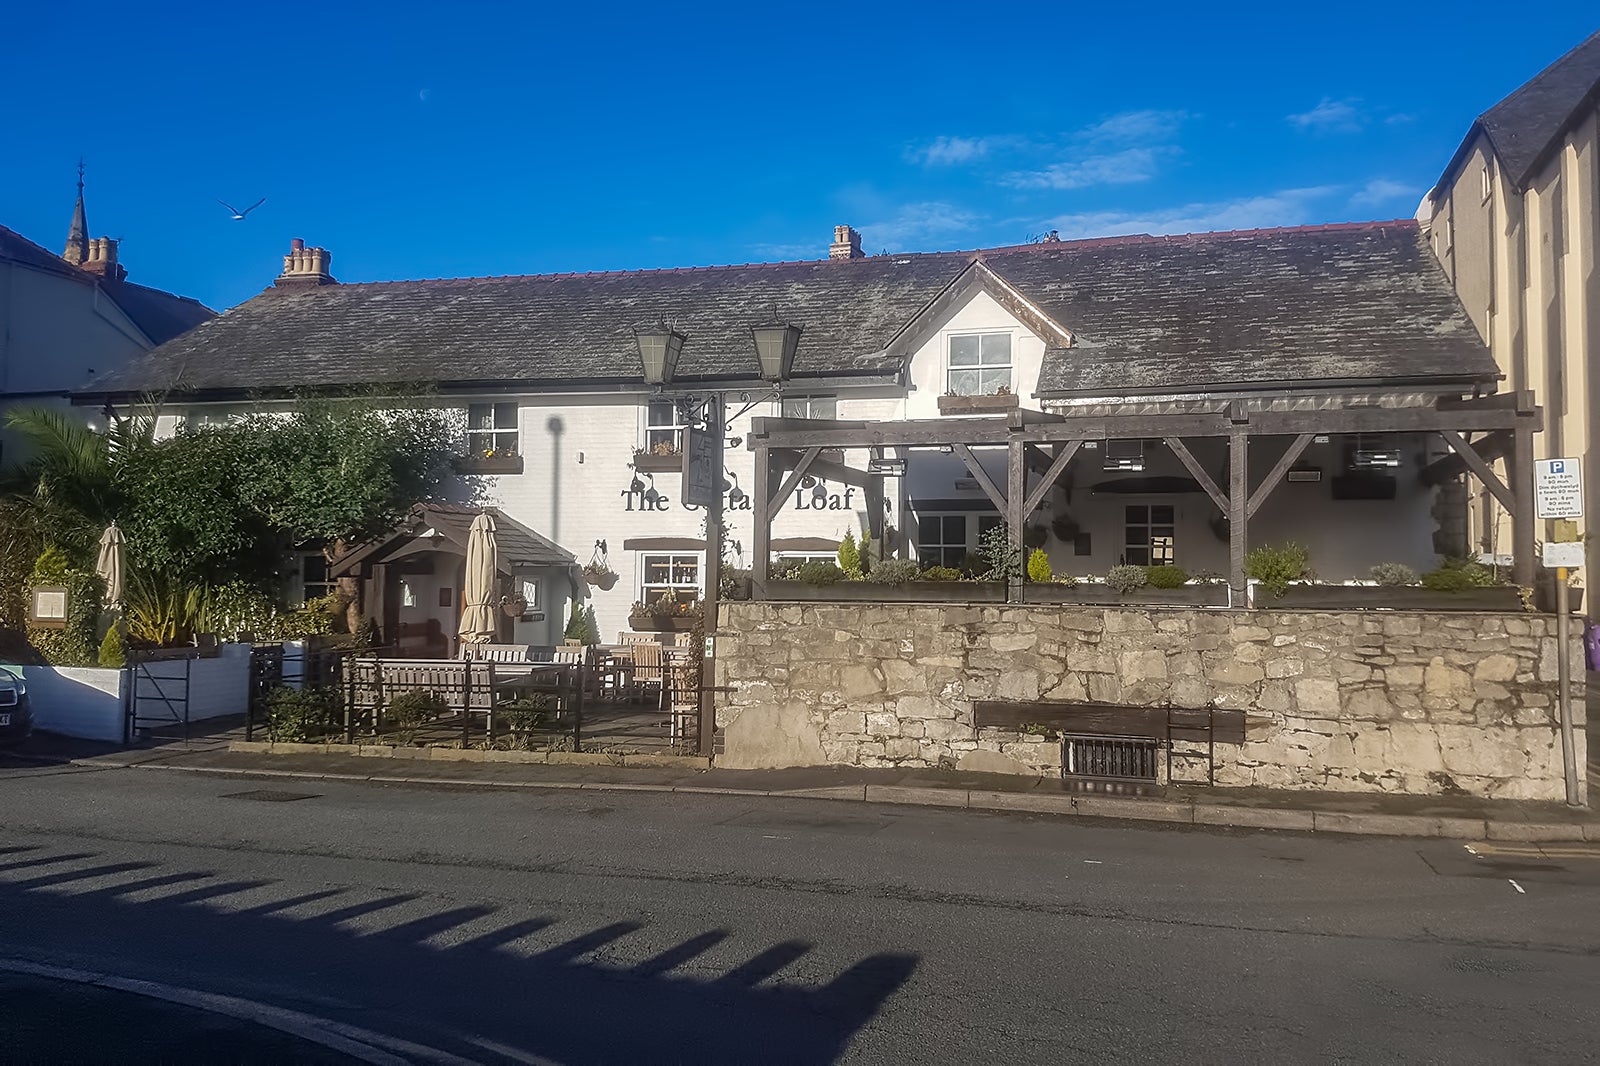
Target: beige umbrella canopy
477, 597
109, 564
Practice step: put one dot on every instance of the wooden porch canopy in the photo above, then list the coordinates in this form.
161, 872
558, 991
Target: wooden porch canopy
788, 449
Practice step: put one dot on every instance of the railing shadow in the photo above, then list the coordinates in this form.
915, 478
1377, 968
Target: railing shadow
417, 979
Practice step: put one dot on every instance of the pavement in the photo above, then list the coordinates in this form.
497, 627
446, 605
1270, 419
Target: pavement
594, 925
1456, 817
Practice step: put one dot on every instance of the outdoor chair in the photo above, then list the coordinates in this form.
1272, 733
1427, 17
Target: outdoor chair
683, 639
648, 672
683, 703
576, 654
636, 638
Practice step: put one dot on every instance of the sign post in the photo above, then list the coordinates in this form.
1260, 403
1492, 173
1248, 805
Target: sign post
702, 486
1558, 494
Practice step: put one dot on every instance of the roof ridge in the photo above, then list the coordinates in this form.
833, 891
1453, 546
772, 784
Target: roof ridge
835, 264
1530, 84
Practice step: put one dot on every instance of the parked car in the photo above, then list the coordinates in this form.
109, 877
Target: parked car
16, 716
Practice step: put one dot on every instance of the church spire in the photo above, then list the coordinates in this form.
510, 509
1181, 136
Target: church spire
78, 236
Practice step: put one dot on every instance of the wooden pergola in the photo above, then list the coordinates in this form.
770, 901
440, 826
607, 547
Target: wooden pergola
787, 449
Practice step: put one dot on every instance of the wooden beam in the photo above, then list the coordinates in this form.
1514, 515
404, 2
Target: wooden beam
1522, 519
788, 458
1016, 493
1489, 448
1057, 467
1275, 475
1484, 472
1192, 464
1238, 514
981, 476
761, 520
1388, 420
794, 477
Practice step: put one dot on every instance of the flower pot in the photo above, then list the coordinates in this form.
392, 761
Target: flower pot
494, 464
872, 592
1313, 597
1194, 595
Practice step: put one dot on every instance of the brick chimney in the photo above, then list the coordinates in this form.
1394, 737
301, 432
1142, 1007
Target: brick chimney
305, 268
102, 259
846, 244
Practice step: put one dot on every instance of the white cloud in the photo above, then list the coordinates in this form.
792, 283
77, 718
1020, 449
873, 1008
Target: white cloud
1288, 207
1135, 126
916, 226
1382, 191
1331, 116
953, 151
1126, 167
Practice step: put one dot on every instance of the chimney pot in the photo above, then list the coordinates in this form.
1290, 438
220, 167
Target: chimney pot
305, 268
846, 244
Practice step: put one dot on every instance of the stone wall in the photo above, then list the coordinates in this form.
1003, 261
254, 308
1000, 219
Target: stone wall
1354, 701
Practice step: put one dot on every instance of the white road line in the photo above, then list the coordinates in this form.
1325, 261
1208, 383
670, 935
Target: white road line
1470, 849
1094, 862
1518, 887
362, 1044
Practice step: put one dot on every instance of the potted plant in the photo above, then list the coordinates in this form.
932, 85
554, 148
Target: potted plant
491, 461
601, 577
667, 614
893, 580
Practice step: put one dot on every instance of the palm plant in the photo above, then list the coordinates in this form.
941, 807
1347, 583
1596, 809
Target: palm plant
68, 476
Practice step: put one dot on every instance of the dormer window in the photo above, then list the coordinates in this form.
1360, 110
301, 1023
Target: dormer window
980, 364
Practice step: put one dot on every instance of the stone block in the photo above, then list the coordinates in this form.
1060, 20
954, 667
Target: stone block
1317, 697
846, 722
1232, 672
1141, 665
1281, 666
901, 748
1441, 679
880, 724
982, 761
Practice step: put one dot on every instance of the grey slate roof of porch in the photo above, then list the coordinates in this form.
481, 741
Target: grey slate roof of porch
518, 545
1298, 306
1289, 307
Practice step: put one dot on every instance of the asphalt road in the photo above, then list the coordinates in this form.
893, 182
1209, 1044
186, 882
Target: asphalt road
593, 927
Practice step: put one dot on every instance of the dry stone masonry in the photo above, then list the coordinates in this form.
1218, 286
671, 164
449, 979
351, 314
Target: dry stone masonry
1352, 701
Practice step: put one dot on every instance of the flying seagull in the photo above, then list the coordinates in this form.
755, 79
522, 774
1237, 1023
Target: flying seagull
238, 215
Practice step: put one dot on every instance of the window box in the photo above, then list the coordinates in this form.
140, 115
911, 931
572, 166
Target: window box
492, 464
644, 623
1311, 597
647, 463
1211, 595
976, 405
872, 592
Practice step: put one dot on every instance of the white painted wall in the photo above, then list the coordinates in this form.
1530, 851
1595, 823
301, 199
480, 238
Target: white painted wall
85, 702
980, 314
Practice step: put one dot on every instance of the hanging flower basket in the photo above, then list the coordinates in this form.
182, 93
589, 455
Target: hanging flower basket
602, 578
514, 605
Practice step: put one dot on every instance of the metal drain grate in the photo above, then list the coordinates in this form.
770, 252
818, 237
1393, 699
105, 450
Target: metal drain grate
1110, 758
267, 795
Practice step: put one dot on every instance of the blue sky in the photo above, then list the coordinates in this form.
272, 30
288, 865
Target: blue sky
436, 140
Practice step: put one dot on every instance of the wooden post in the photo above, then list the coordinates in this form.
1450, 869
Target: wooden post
713, 595
761, 518
1522, 516
1016, 501
1238, 514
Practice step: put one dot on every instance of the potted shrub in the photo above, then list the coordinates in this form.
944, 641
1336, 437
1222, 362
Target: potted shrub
1455, 585
893, 580
491, 461
667, 614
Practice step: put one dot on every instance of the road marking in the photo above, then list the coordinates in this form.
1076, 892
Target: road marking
1518, 887
1094, 862
1470, 849
1571, 850
514, 1054
362, 1044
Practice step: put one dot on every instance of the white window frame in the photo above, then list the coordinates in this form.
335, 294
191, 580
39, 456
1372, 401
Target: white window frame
980, 367
650, 591
809, 407
493, 440
657, 433
1156, 556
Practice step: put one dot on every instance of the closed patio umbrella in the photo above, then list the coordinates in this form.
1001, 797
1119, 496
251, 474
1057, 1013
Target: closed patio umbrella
109, 564
477, 597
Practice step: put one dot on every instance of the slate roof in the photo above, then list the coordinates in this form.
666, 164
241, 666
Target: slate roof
160, 315
550, 329
1313, 305
1526, 127
1316, 304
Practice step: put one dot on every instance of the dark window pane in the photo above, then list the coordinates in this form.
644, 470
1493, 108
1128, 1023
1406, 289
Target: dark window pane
1161, 514
928, 529
955, 529
963, 351
1138, 513
1138, 556
505, 416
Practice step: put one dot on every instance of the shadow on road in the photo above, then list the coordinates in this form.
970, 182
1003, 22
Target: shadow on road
559, 1002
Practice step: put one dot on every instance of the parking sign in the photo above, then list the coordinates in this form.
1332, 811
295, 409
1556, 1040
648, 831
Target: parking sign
1558, 488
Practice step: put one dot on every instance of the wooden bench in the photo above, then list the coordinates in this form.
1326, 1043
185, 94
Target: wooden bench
507, 653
